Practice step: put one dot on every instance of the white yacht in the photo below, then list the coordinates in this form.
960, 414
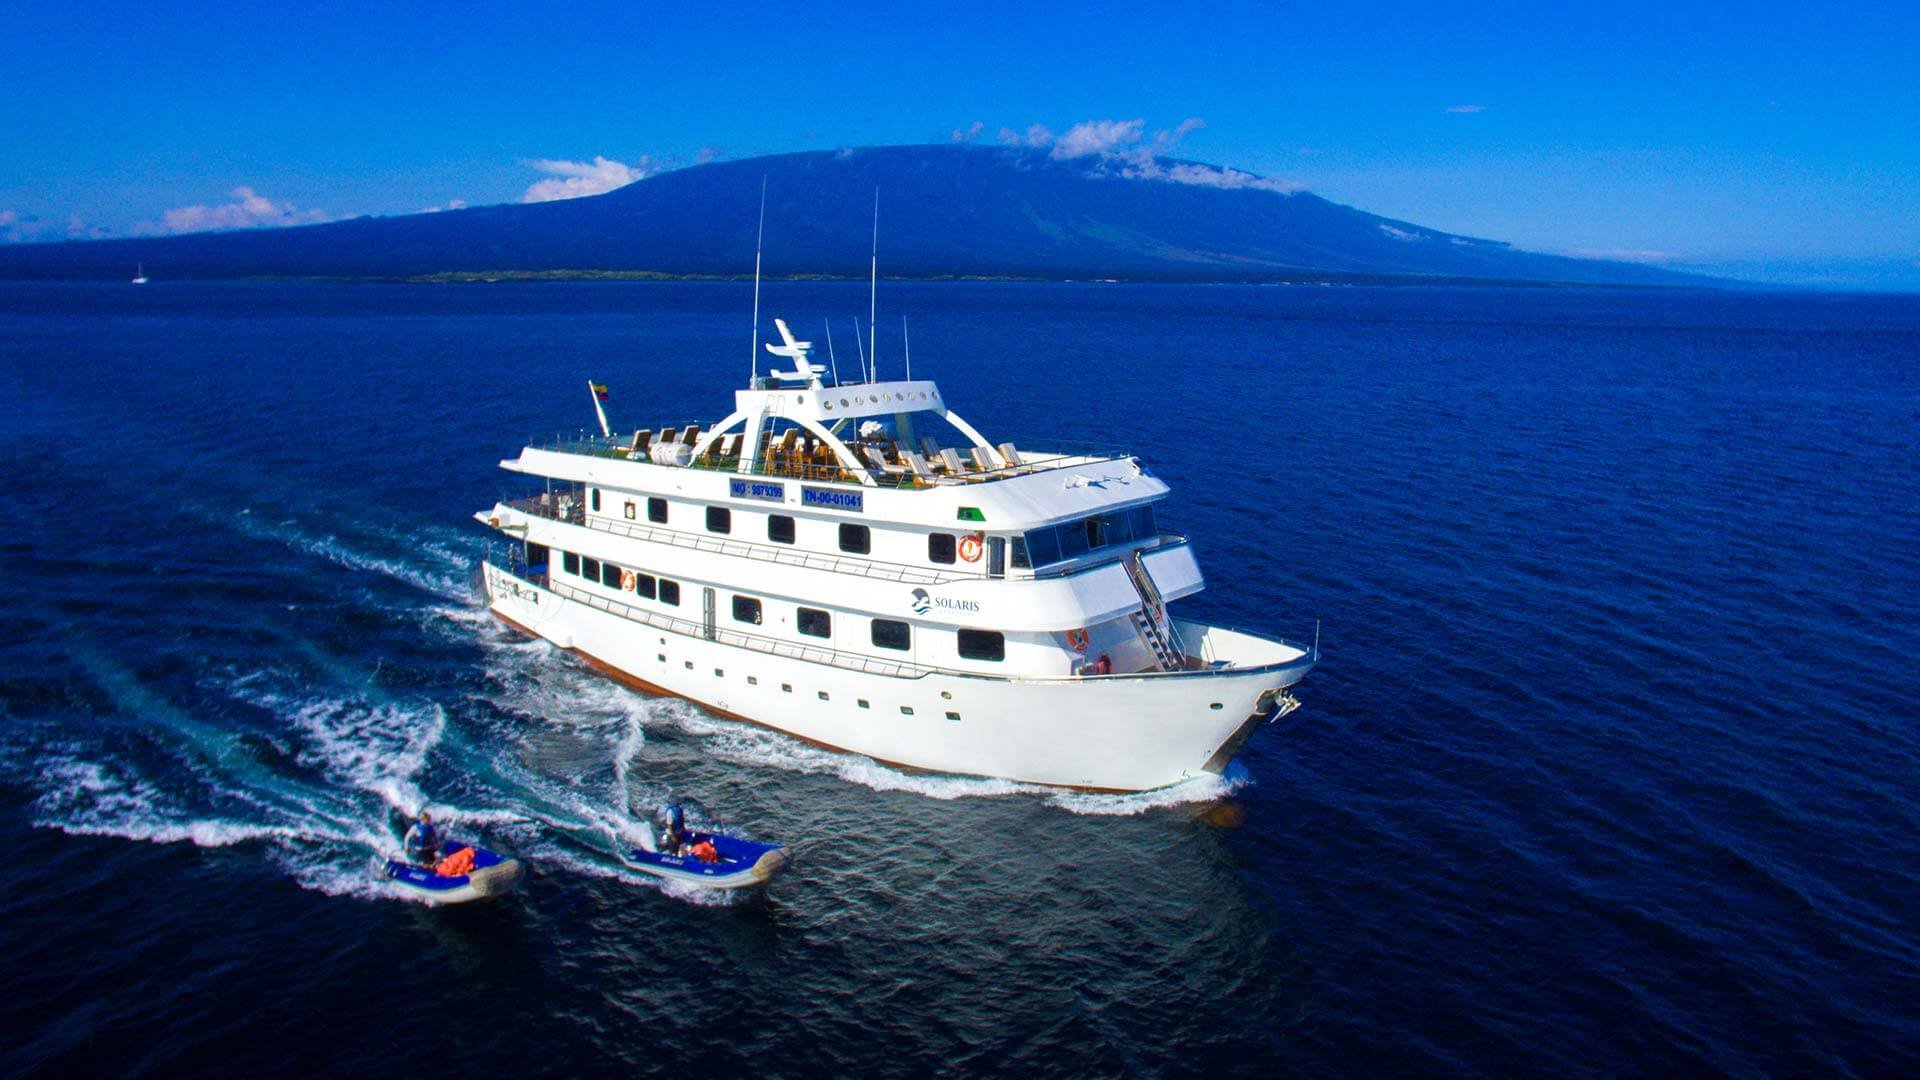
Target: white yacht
859, 567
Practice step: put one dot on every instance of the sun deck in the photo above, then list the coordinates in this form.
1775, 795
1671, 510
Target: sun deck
803, 456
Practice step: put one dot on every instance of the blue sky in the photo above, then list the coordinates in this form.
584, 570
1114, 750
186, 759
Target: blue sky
1776, 142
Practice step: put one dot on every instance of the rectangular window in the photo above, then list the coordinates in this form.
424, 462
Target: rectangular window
862, 702
1073, 539
1144, 527
669, 592
1020, 560
1097, 537
815, 623
645, 586
590, 568
610, 575
719, 519
746, 609
983, 645
1043, 547
570, 563
780, 529
906, 710
940, 547
657, 511
596, 500
889, 634
537, 557
855, 538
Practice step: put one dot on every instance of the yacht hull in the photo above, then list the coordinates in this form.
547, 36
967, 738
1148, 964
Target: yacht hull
1116, 733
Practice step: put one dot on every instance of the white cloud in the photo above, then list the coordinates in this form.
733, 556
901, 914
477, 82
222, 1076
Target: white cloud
706, 154
452, 204
1123, 148
968, 134
576, 179
1402, 234
248, 210
1097, 137
1632, 255
1466, 108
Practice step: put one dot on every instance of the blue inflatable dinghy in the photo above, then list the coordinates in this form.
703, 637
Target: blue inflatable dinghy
742, 863
493, 874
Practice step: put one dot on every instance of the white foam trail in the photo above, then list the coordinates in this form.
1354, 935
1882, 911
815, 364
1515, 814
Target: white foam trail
1200, 789
446, 586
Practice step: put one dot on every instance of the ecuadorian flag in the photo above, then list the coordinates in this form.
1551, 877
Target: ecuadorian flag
599, 390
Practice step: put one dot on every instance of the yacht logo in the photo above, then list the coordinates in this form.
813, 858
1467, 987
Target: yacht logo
923, 603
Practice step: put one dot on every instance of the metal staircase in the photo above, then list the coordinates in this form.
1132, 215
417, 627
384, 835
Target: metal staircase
1151, 621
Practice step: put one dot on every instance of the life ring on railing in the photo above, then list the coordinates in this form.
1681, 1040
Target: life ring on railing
1077, 640
970, 547
626, 580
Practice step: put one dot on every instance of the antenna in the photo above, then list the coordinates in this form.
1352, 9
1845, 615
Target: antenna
907, 343
873, 289
753, 346
862, 348
832, 359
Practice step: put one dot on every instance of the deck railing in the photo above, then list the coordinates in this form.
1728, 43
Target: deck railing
774, 462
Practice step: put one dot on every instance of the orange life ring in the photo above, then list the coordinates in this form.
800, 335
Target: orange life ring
970, 547
1078, 640
626, 580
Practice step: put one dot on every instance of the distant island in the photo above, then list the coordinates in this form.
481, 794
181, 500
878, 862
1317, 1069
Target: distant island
946, 212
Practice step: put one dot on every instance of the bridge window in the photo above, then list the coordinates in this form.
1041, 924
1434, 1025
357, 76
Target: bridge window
815, 623
983, 645
657, 511
780, 528
746, 609
669, 592
610, 575
888, 634
856, 538
940, 547
719, 519
590, 568
570, 563
645, 585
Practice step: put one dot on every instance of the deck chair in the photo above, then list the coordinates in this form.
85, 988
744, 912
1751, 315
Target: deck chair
1010, 455
691, 435
921, 470
951, 459
929, 447
879, 462
730, 445
982, 460
667, 434
640, 440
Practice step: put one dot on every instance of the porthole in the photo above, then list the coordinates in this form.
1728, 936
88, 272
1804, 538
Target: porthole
953, 716
843, 401
824, 697
864, 705
947, 694
719, 673
828, 405
906, 710
689, 665
1216, 706
786, 688
662, 658
753, 680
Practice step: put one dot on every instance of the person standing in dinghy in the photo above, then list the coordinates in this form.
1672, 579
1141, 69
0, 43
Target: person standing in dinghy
423, 841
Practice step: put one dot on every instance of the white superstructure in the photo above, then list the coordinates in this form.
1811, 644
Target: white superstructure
858, 566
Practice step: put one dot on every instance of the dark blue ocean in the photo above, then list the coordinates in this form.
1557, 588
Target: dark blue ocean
1610, 766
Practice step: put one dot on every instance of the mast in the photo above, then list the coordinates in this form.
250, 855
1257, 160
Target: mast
873, 290
753, 345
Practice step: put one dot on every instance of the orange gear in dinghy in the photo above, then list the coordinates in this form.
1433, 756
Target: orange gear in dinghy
456, 864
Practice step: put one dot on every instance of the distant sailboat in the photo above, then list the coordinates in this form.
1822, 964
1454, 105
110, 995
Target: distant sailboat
140, 274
